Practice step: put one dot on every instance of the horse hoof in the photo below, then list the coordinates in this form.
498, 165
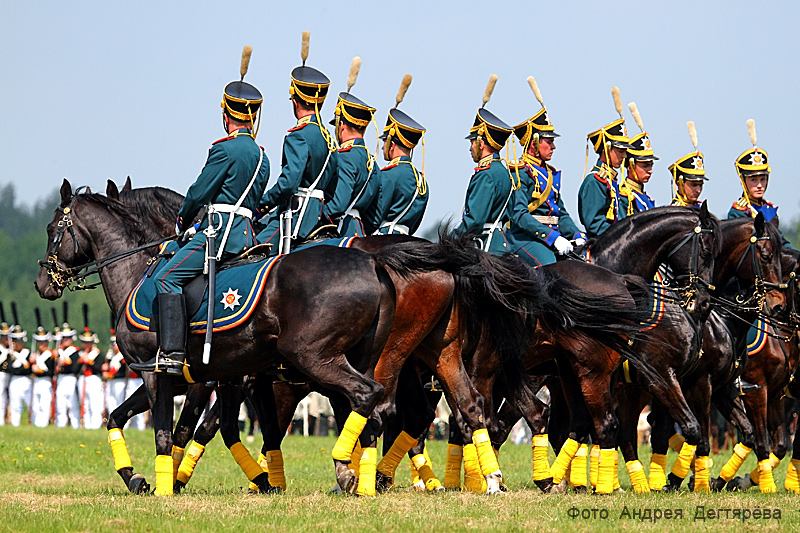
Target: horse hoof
419, 486
178, 487
690, 485
336, 490
383, 483
545, 485
739, 483
439, 489
138, 485
346, 477
494, 482
580, 489
560, 488
262, 482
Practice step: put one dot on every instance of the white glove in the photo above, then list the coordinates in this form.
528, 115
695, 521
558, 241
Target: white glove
580, 241
563, 246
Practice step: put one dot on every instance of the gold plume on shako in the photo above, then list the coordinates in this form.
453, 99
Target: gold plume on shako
401, 92
487, 94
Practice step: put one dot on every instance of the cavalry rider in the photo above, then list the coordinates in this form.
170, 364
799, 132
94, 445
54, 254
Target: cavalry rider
598, 197
90, 383
19, 387
639, 166
539, 219
403, 192
67, 406
753, 169
231, 183
43, 366
486, 207
357, 173
689, 175
308, 165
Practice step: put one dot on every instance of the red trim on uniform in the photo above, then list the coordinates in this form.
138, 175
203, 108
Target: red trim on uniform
736, 206
387, 167
529, 255
179, 264
299, 127
223, 139
346, 149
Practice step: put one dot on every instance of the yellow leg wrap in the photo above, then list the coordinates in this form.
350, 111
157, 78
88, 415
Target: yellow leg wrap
617, 486
658, 471
262, 461
577, 470
564, 458
452, 469
190, 458
245, 461
755, 475
486, 454
594, 462
676, 442
164, 482
473, 478
702, 472
792, 482
355, 459
366, 477
343, 448
392, 458
177, 457
638, 479
541, 467
766, 483
681, 466
606, 471
273, 462
414, 474
740, 453
119, 449
421, 463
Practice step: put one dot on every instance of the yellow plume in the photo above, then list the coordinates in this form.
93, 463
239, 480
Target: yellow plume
304, 48
751, 129
535, 89
692, 134
487, 94
636, 116
246, 52
404, 85
355, 67
617, 100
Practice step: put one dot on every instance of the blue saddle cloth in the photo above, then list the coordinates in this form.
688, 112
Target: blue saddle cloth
341, 242
238, 290
756, 337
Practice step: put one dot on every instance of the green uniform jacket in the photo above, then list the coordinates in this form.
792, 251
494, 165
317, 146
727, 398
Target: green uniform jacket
305, 151
740, 209
599, 192
396, 201
354, 183
488, 200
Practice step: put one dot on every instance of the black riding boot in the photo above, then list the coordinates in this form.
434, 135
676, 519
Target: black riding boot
172, 337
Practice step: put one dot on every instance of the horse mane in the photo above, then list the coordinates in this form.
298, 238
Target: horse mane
129, 220
158, 205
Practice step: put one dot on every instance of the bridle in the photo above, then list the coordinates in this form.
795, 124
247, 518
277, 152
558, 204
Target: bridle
74, 278
692, 278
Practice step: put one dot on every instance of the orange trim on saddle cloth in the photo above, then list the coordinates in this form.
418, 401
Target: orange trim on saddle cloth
659, 305
761, 338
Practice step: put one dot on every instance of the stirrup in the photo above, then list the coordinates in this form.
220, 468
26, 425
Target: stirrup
161, 363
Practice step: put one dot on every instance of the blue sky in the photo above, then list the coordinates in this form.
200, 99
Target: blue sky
98, 90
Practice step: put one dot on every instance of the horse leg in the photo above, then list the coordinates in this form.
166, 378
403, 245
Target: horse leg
698, 394
662, 427
197, 397
455, 454
202, 436
136, 403
629, 406
161, 399
756, 404
732, 408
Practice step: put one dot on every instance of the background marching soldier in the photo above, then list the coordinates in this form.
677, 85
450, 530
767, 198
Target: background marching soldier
43, 366
5, 345
68, 407
19, 368
90, 382
121, 381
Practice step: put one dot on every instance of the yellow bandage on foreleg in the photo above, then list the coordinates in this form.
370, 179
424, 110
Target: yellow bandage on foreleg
486, 455
421, 463
676, 442
577, 472
355, 459
638, 479
366, 478
740, 453
273, 463
473, 478
414, 474
755, 475
177, 457
594, 462
245, 461
164, 482
766, 482
392, 458
702, 473
452, 468
190, 458
262, 460
564, 458
541, 467
792, 482
681, 466
119, 449
606, 471
343, 449
616, 473
658, 471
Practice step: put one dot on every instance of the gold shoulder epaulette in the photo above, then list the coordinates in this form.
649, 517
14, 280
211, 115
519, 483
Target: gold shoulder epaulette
741, 203
516, 165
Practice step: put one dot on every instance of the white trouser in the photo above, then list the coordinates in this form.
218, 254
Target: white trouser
138, 421
42, 401
4, 378
90, 389
68, 408
19, 393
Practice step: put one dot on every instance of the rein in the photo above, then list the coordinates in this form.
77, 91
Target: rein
693, 280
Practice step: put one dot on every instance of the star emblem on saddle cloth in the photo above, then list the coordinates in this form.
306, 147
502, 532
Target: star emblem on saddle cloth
230, 298
756, 158
697, 162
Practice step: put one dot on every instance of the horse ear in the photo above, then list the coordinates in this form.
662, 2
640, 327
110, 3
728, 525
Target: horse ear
66, 192
760, 225
775, 222
127, 185
111, 190
704, 211
88, 190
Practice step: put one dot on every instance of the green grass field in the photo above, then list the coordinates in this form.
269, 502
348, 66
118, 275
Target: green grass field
64, 480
